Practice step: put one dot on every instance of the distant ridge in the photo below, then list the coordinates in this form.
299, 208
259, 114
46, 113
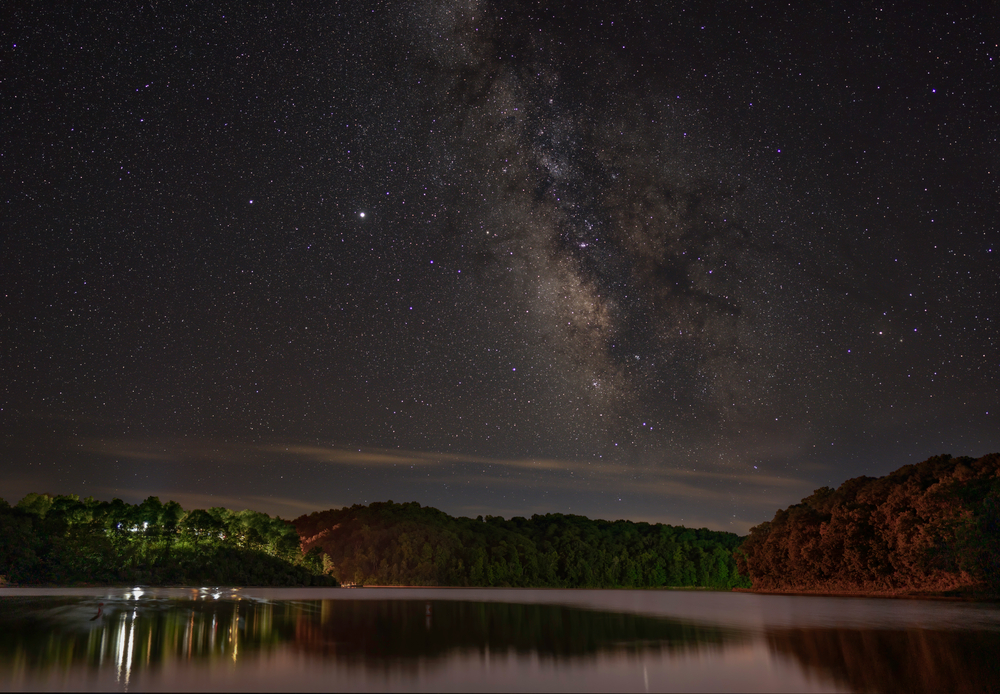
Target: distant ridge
408, 544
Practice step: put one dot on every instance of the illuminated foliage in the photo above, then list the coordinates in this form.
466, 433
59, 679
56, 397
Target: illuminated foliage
61, 539
926, 527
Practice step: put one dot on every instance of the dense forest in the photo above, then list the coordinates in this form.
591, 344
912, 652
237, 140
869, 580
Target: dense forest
929, 527
409, 544
63, 540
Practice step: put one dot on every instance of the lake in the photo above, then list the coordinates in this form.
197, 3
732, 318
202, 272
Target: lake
444, 639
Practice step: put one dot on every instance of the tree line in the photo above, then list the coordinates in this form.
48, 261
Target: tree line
929, 527
63, 540
386, 543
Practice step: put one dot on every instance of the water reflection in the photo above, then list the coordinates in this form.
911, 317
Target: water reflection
912, 660
149, 640
38, 633
407, 630
131, 632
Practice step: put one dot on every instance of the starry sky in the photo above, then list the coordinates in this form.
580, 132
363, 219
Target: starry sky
666, 261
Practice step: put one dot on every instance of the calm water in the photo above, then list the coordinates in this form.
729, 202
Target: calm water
490, 640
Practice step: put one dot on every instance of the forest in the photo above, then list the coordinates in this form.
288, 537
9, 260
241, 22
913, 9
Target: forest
408, 544
64, 540
932, 527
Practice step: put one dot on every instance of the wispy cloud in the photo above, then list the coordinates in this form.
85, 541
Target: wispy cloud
388, 457
175, 450
380, 456
750, 489
653, 481
237, 452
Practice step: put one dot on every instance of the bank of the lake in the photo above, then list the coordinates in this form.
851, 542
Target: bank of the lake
957, 596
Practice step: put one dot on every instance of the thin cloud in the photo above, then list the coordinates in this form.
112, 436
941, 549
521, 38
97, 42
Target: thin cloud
225, 452
167, 450
378, 456
654, 482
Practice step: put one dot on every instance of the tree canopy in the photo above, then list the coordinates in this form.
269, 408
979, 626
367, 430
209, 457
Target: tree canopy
66, 540
408, 544
929, 527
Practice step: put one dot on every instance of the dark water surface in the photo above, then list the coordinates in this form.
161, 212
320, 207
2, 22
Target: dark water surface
490, 640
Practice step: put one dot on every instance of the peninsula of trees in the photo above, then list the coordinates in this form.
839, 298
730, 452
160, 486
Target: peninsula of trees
933, 527
63, 540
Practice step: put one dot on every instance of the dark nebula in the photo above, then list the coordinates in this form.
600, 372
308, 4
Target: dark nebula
678, 262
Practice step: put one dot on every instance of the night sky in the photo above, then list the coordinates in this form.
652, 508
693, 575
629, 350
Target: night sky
675, 261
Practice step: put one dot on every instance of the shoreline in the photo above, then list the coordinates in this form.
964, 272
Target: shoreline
951, 596
948, 596
350, 586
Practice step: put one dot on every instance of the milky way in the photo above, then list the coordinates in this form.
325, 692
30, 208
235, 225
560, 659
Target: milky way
617, 220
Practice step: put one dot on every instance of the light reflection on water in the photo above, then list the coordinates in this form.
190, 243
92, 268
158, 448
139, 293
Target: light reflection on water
489, 640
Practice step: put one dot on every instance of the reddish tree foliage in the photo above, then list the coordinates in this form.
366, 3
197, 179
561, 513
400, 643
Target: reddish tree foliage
930, 527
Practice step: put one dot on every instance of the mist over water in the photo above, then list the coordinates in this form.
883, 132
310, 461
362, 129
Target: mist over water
489, 640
